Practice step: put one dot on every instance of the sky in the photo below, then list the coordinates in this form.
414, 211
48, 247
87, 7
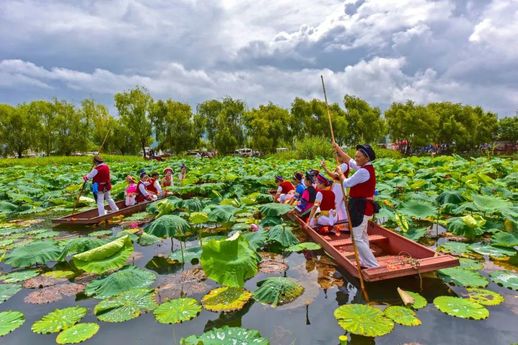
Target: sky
262, 51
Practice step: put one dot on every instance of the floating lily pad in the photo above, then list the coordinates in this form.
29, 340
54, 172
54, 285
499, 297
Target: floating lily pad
455, 248
227, 336
226, 299
485, 297
283, 235
189, 255
42, 281
15, 277
9, 321
57, 274
8, 290
53, 293
126, 305
304, 246
507, 279
110, 256
463, 277
33, 253
363, 320
148, 240
59, 319
470, 264
271, 266
131, 277
505, 239
402, 315
277, 291
461, 307
177, 310
77, 333
419, 301
494, 252
168, 226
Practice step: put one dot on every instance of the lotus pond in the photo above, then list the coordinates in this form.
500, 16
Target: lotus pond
188, 270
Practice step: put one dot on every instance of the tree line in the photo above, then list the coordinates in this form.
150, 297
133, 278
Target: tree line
58, 127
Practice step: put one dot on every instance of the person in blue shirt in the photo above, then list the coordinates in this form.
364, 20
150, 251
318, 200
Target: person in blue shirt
298, 178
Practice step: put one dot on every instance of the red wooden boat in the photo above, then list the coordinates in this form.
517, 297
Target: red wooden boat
397, 255
91, 216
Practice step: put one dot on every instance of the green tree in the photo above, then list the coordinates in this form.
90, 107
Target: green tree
508, 129
100, 125
18, 129
123, 142
134, 107
268, 126
71, 128
47, 133
365, 123
207, 116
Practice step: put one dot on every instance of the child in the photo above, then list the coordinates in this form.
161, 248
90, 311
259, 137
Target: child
131, 191
285, 190
323, 209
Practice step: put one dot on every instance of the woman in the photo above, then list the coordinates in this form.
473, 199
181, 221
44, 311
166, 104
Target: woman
341, 214
167, 181
285, 190
307, 199
130, 193
324, 207
143, 193
298, 178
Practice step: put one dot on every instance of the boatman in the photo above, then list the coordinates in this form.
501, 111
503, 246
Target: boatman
100, 175
361, 197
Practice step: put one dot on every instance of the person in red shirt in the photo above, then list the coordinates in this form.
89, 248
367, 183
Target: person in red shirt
285, 190
362, 186
324, 207
143, 193
100, 175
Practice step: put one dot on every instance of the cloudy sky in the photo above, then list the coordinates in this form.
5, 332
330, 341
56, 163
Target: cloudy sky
262, 50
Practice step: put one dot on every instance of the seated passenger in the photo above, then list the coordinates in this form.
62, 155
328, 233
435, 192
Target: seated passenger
324, 207
154, 186
130, 194
298, 178
285, 190
143, 193
341, 214
307, 198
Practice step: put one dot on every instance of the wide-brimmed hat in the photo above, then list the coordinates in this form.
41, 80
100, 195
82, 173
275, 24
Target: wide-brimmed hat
98, 159
310, 176
367, 150
322, 180
130, 178
168, 169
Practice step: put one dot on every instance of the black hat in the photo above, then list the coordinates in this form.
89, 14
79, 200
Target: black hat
310, 176
367, 150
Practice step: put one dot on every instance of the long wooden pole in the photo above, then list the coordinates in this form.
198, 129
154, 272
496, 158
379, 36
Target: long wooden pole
349, 225
84, 182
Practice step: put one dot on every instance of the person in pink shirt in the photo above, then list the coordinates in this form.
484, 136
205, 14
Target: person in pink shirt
131, 191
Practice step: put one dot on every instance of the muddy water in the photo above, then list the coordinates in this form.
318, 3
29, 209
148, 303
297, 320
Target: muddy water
306, 321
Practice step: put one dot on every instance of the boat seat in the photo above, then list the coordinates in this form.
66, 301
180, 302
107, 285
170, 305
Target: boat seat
348, 241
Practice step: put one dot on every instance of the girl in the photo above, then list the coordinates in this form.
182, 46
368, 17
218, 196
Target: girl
307, 199
131, 191
167, 181
323, 209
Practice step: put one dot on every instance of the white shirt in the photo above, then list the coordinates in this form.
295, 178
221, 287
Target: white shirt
156, 184
361, 175
94, 172
143, 190
319, 197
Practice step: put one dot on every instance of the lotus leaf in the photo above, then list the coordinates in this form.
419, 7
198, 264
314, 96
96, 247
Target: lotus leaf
222, 213
57, 274
53, 293
198, 218
227, 336
79, 245
507, 279
8, 290
472, 265
256, 239
177, 310
226, 299
494, 252
130, 277
168, 226
418, 209
468, 226
138, 216
402, 316
450, 197
304, 246
491, 203
419, 301
15, 277
277, 291
189, 255
415, 234
148, 240
59, 320
485, 297
282, 235
42, 281
165, 207
505, 239
126, 305
33, 253
274, 209
101, 233
230, 261
77, 333
455, 248
110, 256
463, 277
9, 321
461, 307
363, 320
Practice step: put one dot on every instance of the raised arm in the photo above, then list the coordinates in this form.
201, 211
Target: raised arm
341, 153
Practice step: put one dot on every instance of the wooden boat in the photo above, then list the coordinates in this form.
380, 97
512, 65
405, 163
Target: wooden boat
398, 256
91, 216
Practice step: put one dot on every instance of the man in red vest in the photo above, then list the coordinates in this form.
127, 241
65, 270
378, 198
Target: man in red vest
100, 175
361, 197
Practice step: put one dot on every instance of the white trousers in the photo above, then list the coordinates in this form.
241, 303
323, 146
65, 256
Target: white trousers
341, 214
361, 238
328, 220
130, 200
101, 197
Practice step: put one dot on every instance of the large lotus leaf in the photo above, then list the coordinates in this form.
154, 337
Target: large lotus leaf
282, 235
8, 290
130, 277
148, 240
177, 310
198, 218
418, 209
77, 333
505, 239
419, 301
363, 320
59, 319
168, 226
470, 264
277, 291
33, 253
9, 321
110, 256
455, 248
274, 209
450, 197
415, 234
126, 305
15, 277
79, 245
494, 252
402, 315
53, 293
189, 255
463, 277
461, 307
505, 278
230, 261
468, 226
165, 207
227, 336
304, 246
222, 213
491, 203
485, 297
226, 299
7, 207
256, 239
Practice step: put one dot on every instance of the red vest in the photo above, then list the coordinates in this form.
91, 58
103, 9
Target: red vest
103, 177
366, 189
328, 200
286, 186
167, 183
140, 197
151, 186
